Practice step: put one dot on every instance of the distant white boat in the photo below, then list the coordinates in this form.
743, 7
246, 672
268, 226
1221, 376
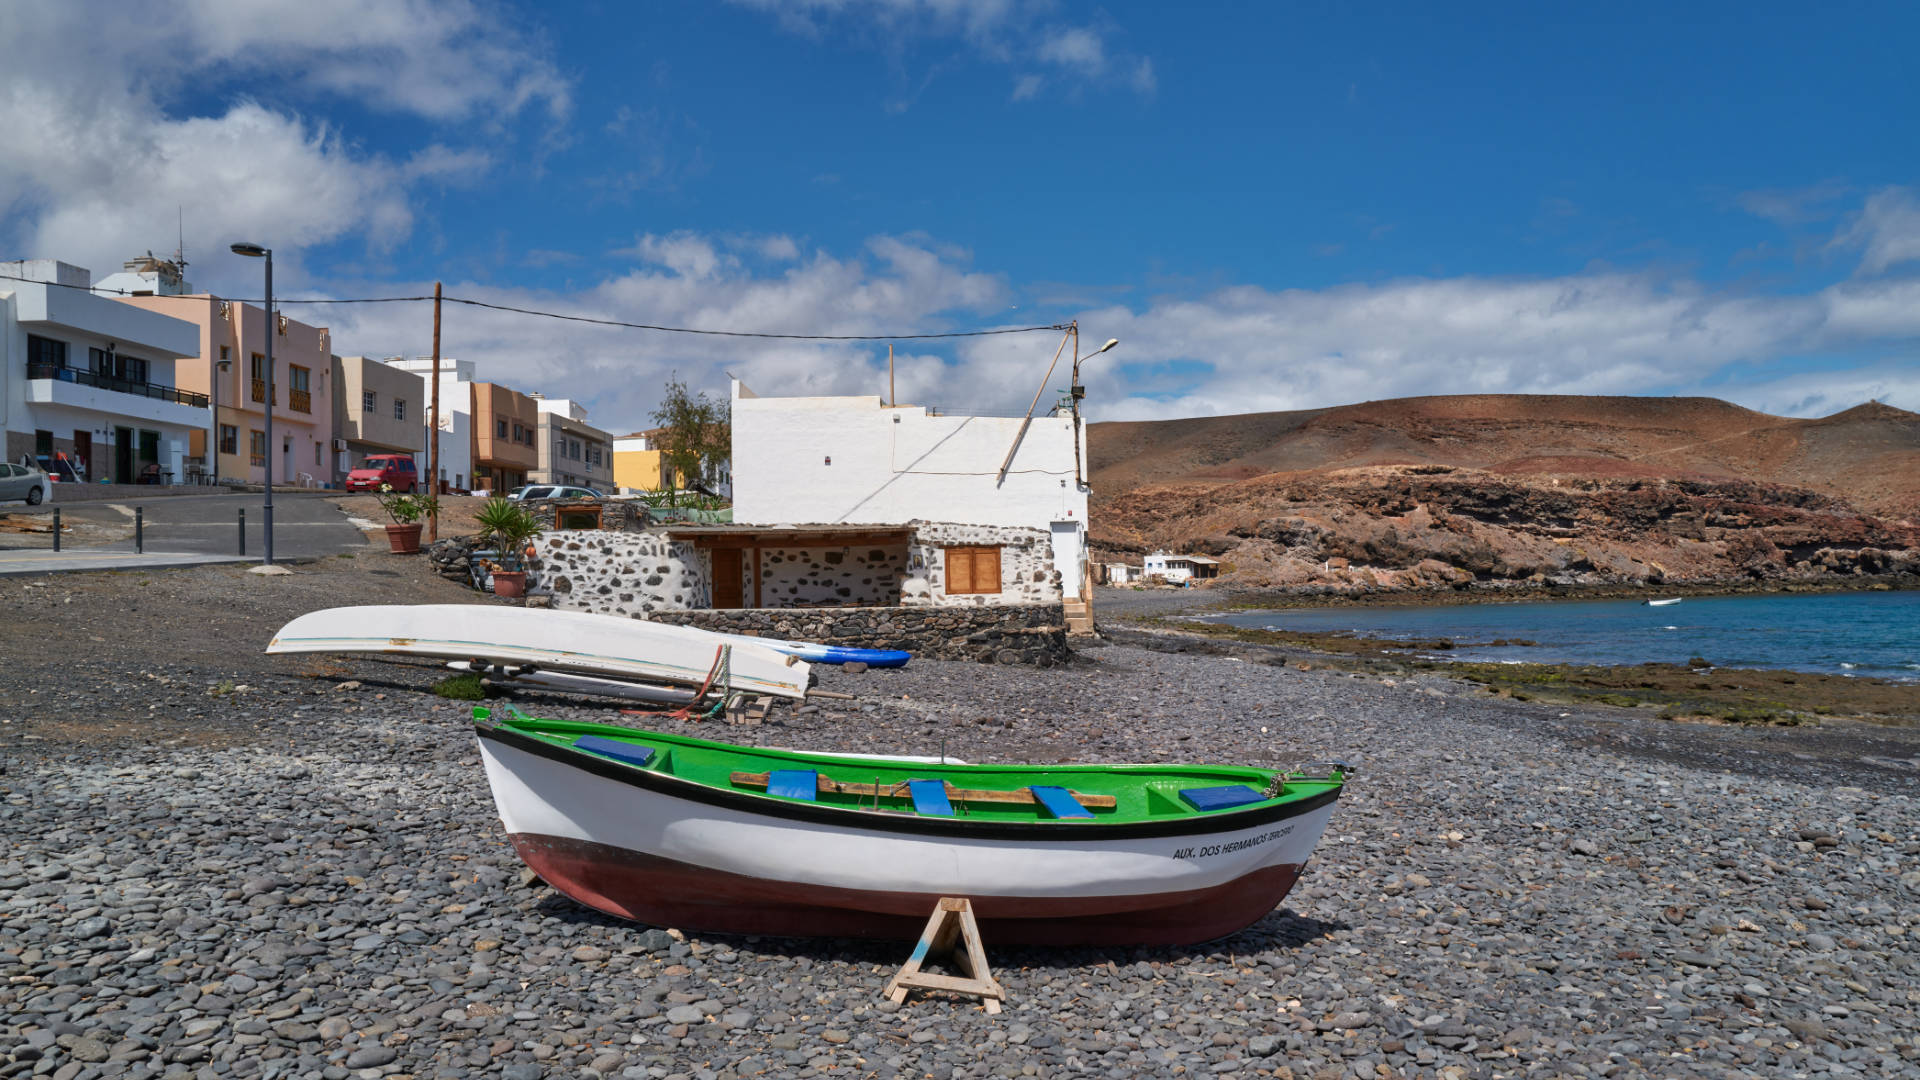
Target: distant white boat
1668, 602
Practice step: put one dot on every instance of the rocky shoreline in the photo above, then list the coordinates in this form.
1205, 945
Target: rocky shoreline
220, 864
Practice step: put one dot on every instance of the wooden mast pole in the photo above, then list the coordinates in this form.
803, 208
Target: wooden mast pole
1028, 420
433, 454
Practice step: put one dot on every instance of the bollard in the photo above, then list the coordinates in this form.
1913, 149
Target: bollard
56, 528
139, 530
243, 530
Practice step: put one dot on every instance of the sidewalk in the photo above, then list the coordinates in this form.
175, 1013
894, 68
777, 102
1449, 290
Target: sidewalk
17, 563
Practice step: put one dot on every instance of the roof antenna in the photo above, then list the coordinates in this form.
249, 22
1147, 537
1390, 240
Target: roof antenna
180, 245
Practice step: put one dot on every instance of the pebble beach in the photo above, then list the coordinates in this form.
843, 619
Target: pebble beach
219, 864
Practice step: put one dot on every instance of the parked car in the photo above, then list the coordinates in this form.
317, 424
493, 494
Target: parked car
24, 482
377, 469
537, 492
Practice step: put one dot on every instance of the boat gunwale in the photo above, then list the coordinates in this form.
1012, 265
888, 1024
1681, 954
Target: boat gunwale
754, 802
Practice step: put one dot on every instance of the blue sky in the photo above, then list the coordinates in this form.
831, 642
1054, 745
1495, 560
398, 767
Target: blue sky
1273, 206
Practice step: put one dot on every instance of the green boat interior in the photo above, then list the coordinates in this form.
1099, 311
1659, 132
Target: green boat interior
1011, 793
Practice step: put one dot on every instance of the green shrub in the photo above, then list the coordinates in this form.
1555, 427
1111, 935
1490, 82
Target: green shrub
467, 687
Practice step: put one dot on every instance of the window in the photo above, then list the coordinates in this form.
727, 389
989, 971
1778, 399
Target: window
367, 400
973, 570
45, 353
318, 454
117, 365
399, 408
229, 439
257, 446
502, 424
297, 377
226, 353
299, 397
260, 382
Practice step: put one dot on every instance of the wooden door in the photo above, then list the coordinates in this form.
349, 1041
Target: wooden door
727, 592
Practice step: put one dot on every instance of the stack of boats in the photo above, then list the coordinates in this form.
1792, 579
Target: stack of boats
678, 831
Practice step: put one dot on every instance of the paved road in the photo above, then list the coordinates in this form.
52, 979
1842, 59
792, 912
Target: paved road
17, 563
303, 525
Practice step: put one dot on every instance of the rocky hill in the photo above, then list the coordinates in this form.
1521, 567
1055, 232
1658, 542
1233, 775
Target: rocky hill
1506, 489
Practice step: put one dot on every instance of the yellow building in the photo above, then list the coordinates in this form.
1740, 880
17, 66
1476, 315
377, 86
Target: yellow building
636, 462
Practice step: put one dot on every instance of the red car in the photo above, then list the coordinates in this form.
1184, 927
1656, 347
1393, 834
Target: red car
378, 469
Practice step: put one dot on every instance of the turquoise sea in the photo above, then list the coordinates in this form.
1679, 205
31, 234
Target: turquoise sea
1866, 633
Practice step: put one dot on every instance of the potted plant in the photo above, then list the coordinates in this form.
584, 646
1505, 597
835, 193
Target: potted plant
403, 536
507, 527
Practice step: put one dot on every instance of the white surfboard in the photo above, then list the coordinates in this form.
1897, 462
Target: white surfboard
558, 641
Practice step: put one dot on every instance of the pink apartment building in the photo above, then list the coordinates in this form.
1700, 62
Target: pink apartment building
232, 371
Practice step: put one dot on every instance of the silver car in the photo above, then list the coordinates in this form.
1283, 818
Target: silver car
23, 482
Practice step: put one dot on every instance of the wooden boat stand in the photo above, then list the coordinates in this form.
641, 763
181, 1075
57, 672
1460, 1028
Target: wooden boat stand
951, 933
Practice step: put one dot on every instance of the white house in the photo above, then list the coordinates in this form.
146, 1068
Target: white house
856, 461
87, 385
456, 417
1180, 568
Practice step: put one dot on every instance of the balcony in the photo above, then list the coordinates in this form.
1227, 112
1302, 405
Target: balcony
83, 377
260, 391
300, 401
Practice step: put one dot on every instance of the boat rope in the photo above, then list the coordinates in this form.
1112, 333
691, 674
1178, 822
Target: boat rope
721, 671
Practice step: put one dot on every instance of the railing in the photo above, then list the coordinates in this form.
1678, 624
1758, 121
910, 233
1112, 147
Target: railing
260, 391
300, 401
83, 377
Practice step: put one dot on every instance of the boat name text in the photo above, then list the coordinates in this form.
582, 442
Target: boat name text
1236, 845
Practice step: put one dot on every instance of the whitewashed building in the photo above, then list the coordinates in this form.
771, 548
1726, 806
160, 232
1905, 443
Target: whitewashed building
456, 418
87, 384
843, 461
1180, 569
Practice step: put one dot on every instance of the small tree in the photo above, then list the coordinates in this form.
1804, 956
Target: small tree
696, 436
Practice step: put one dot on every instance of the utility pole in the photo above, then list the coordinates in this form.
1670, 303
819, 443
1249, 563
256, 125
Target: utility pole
433, 453
892, 398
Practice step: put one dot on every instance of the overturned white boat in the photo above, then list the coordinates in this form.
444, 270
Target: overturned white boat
569, 642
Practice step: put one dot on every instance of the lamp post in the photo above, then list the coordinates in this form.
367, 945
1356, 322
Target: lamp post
258, 252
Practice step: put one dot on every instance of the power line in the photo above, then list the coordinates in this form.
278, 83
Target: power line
279, 301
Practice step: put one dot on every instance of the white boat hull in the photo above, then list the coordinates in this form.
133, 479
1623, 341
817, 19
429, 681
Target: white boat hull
564, 641
676, 859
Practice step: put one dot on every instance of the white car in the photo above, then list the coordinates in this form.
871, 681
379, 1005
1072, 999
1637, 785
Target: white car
24, 482
537, 492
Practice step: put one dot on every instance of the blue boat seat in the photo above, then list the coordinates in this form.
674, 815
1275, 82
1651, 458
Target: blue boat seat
1220, 798
1059, 802
930, 797
615, 749
794, 783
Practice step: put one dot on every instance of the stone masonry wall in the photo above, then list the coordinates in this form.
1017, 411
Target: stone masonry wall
1006, 634
815, 577
1027, 575
636, 574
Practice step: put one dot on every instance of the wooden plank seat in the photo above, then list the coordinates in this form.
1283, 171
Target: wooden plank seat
828, 786
615, 749
1220, 798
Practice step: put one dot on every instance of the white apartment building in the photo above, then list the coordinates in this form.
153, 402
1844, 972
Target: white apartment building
456, 418
855, 460
87, 385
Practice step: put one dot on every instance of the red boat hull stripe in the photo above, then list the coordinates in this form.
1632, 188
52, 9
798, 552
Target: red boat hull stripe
666, 892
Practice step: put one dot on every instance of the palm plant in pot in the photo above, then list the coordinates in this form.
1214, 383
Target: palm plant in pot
507, 527
403, 536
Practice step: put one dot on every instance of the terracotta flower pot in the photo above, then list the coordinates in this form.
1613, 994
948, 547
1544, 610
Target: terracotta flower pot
509, 583
404, 539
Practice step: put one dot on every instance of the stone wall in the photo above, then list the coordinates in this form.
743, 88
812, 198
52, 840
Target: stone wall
637, 574
1027, 575
1007, 634
867, 575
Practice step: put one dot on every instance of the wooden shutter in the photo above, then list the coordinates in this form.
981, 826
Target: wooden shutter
959, 570
973, 570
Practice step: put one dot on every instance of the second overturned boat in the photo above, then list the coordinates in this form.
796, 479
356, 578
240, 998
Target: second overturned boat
570, 642
682, 832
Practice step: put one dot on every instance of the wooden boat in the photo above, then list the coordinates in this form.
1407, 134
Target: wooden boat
565, 641
682, 832
815, 653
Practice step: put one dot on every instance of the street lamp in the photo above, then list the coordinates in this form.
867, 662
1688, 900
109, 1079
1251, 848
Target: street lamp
257, 252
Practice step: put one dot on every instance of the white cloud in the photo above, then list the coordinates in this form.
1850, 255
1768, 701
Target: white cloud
1003, 31
101, 156
1887, 230
1824, 393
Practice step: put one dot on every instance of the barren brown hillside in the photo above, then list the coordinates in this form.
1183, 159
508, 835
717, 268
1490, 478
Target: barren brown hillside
1516, 488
